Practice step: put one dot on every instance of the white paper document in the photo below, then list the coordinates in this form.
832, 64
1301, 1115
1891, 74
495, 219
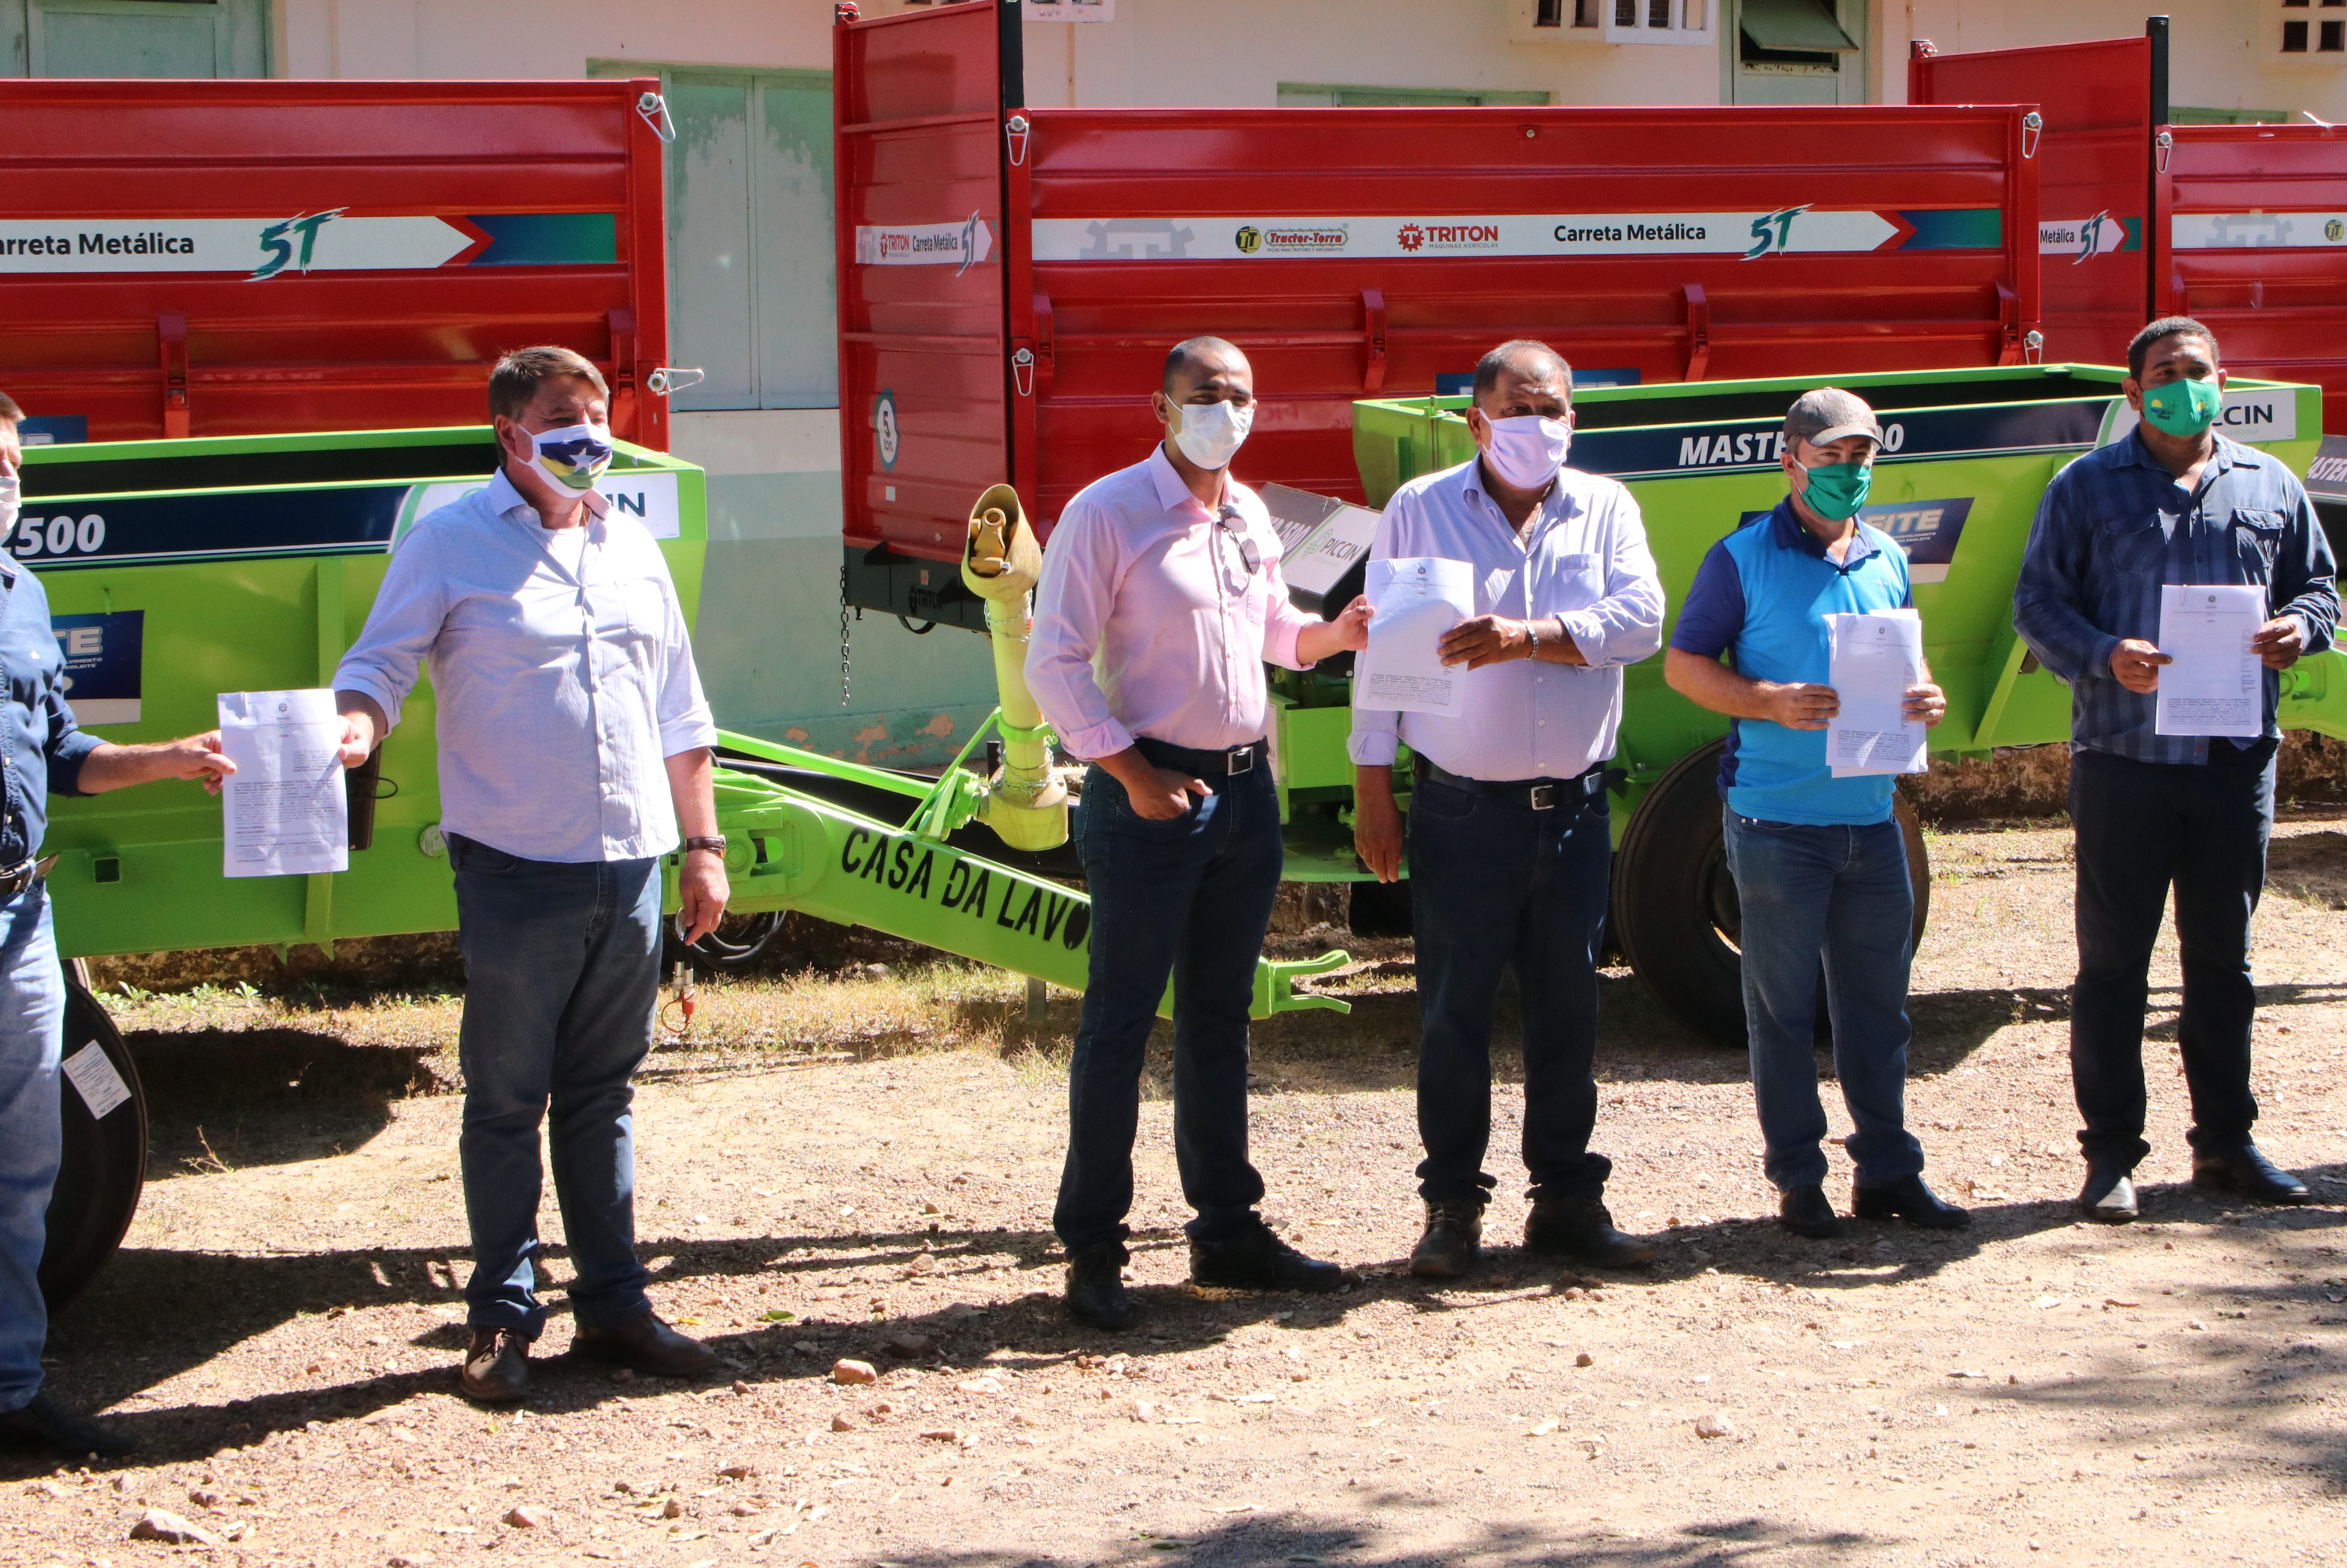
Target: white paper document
1417, 598
1876, 657
283, 810
2215, 687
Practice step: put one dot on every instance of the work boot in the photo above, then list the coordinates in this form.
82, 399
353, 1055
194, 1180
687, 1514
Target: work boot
2108, 1197
1096, 1296
1806, 1211
1582, 1229
1255, 1259
1452, 1245
2248, 1172
1908, 1199
496, 1367
45, 1424
646, 1344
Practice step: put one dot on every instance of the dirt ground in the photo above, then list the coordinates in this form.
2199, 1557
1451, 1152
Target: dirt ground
863, 1168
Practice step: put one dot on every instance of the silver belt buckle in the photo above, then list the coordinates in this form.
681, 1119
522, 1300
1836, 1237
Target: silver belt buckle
1543, 797
1239, 760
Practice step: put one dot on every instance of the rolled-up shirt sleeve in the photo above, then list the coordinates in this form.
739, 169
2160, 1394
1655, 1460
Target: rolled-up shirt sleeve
66, 746
1626, 625
401, 628
1073, 600
681, 711
2048, 601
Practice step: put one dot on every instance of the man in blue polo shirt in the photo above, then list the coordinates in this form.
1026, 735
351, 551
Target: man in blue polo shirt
1820, 867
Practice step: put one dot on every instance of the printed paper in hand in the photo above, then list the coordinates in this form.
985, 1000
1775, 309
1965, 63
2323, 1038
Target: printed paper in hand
2215, 686
284, 809
1876, 657
1417, 598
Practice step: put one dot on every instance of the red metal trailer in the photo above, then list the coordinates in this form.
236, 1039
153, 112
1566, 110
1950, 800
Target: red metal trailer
1010, 278
213, 258
2243, 226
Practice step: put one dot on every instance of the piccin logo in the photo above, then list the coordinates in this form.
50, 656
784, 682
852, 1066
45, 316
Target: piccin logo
278, 241
1410, 237
1249, 240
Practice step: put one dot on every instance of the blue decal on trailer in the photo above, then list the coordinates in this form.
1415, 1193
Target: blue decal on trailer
122, 530
102, 664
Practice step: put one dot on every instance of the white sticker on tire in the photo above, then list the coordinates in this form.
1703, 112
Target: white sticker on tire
102, 1088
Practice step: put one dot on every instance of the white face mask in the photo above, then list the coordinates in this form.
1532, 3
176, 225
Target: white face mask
1527, 450
12, 495
574, 456
1211, 432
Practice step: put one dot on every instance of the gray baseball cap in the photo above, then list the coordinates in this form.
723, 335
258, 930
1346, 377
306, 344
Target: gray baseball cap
1827, 415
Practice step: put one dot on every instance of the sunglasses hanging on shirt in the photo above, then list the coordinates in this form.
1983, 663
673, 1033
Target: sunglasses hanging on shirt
1231, 523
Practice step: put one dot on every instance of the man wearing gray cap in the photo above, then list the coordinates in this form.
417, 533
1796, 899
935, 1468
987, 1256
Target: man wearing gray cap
1820, 867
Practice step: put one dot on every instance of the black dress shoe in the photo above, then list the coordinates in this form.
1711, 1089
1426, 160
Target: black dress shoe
1805, 1211
1582, 1229
1096, 1296
2108, 1196
45, 1424
1255, 1259
1909, 1199
496, 1367
1453, 1242
647, 1345
2248, 1172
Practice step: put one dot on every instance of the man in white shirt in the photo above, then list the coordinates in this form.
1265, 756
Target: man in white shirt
1159, 599
573, 742
1510, 841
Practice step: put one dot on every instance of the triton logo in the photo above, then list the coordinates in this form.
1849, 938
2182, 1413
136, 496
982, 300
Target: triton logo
1410, 237
278, 241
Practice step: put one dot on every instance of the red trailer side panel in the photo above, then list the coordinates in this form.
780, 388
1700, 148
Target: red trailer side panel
2258, 248
220, 258
2094, 176
922, 373
1011, 278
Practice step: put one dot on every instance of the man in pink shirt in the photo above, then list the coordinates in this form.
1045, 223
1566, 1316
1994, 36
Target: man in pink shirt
1159, 599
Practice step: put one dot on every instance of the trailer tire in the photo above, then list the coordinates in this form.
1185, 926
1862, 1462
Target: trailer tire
1675, 907
104, 1164
1379, 909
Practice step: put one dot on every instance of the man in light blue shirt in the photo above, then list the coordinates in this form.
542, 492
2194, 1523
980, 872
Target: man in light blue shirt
573, 742
1821, 866
1509, 835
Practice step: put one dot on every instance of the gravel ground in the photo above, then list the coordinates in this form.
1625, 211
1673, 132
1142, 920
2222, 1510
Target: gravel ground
863, 1170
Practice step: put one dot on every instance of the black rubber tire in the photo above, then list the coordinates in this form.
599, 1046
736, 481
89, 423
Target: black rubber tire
1675, 907
104, 1166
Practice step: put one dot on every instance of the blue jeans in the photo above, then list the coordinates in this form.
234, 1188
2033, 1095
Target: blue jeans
1839, 895
31, 1030
2142, 826
1188, 898
561, 979
1497, 885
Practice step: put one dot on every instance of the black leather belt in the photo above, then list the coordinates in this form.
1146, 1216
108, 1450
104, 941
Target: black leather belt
1203, 764
1541, 794
17, 879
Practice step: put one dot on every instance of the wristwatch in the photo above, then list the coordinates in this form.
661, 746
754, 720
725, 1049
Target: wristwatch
715, 845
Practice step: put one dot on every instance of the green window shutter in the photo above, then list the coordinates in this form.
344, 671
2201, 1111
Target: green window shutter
183, 38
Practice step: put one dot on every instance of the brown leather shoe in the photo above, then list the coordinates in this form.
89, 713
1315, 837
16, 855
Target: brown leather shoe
648, 1345
496, 1367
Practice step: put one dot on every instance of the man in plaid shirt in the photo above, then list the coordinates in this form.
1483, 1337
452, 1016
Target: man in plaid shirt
2173, 502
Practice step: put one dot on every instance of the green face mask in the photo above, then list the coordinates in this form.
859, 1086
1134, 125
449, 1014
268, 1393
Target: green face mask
2183, 408
1837, 490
